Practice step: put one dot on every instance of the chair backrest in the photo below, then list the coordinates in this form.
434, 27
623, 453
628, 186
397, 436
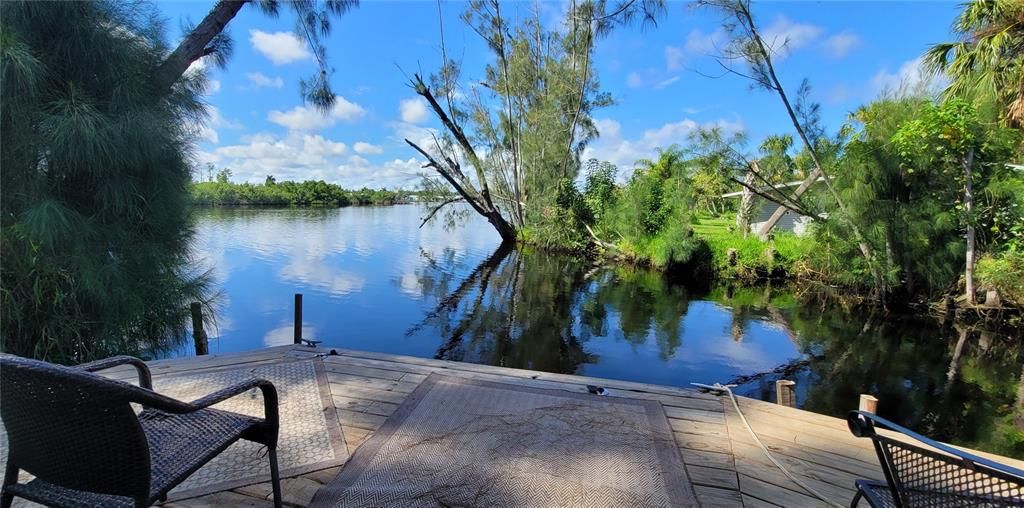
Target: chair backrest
938, 476
73, 428
917, 472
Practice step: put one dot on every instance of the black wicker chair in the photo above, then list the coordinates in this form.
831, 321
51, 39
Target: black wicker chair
77, 433
936, 476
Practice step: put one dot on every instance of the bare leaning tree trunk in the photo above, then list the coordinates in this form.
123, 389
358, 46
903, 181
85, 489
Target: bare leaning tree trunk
196, 43
968, 207
447, 165
746, 210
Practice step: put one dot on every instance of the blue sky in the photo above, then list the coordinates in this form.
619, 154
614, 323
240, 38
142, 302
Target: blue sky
850, 51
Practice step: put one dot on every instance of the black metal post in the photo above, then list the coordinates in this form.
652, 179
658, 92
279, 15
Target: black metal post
198, 334
298, 318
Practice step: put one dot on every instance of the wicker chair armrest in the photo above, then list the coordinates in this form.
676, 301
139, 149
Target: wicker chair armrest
145, 378
269, 397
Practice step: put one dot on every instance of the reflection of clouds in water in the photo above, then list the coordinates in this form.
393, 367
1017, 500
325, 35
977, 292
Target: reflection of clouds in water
315, 272
306, 237
707, 339
285, 335
409, 284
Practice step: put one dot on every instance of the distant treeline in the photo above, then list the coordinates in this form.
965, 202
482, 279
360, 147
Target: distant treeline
308, 193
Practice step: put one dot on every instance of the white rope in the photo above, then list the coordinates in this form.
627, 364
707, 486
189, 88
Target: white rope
726, 388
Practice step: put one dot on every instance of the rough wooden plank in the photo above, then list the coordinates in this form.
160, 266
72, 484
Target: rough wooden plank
566, 378
715, 497
712, 477
708, 459
360, 420
754, 487
834, 461
298, 491
751, 461
833, 484
355, 436
696, 415
324, 476
753, 502
357, 370
702, 443
373, 407
381, 364
359, 392
373, 383
692, 427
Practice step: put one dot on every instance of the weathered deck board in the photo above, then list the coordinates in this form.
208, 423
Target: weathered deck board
724, 463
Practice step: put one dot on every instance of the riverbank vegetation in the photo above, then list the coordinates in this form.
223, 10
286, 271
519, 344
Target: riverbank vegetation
917, 196
221, 191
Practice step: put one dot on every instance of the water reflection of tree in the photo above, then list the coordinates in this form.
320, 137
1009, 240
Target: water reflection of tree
535, 310
643, 301
939, 382
513, 309
959, 384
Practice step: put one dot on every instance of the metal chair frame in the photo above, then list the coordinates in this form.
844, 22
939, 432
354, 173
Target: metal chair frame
937, 476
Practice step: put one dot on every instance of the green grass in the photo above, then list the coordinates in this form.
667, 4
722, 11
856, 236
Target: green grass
753, 260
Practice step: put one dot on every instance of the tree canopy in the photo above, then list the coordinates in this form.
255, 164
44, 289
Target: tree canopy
95, 226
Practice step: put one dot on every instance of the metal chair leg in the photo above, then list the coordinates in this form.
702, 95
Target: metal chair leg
275, 477
856, 498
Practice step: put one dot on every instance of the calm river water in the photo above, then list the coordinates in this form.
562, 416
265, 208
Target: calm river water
373, 280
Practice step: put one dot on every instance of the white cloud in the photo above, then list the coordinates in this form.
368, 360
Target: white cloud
259, 79
366, 148
624, 153
422, 136
784, 36
413, 110
300, 156
207, 131
634, 80
673, 58
840, 44
393, 174
653, 78
199, 66
701, 43
910, 77
666, 82
302, 118
280, 47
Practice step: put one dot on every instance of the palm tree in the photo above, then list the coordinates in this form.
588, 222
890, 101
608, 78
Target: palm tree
989, 57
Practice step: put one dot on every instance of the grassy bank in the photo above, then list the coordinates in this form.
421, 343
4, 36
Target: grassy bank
784, 256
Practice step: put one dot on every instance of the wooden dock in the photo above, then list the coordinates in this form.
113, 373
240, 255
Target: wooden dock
725, 465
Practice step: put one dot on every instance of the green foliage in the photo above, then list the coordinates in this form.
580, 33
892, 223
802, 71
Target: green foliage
1004, 273
532, 115
599, 189
95, 229
273, 193
988, 60
902, 178
651, 214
